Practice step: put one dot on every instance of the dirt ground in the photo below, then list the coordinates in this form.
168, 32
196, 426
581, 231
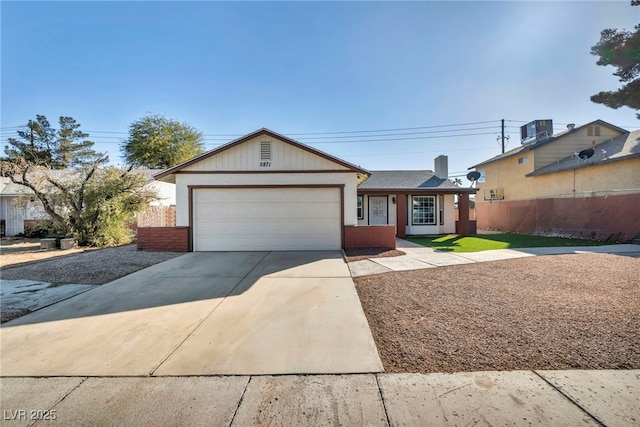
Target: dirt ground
550, 312
360, 254
81, 266
90, 267
16, 250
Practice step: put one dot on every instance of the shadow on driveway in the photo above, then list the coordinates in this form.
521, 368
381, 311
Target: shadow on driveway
233, 312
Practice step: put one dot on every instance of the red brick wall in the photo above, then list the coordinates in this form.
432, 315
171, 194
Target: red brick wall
164, 239
370, 236
401, 214
472, 228
606, 218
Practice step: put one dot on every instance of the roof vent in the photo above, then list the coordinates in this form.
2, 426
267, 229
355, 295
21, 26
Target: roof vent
265, 150
571, 126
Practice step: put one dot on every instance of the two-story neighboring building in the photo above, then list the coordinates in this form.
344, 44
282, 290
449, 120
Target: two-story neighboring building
583, 182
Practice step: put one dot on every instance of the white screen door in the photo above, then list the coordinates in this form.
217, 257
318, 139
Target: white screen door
378, 210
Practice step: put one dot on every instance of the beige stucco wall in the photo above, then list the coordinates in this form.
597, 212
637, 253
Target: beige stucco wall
620, 176
578, 140
509, 175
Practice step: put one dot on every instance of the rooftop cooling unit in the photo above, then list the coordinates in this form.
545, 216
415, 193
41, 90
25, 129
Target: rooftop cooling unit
536, 131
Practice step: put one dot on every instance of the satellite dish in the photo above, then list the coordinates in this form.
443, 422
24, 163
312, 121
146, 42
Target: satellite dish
473, 176
585, 154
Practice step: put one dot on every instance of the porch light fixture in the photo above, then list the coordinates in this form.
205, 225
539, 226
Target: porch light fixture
393, 200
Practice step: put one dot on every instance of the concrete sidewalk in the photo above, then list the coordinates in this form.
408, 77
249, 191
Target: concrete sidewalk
541, 398
420, 257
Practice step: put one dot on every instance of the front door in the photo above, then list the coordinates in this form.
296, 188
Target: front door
378, 210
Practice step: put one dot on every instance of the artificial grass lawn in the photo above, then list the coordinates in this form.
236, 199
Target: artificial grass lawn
485, 242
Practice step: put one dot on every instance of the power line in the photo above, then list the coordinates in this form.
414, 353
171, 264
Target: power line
410, 152
394, 129
322, 133
403, 139
400, 134
205, 140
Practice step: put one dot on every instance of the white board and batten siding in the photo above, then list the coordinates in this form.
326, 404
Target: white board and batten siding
266, 219
246, 157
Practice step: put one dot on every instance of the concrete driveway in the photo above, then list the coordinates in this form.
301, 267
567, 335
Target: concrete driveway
205, 313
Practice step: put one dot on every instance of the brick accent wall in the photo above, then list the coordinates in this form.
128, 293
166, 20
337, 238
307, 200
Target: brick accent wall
612, 218
370, 236
472, 228
401, 214
163, 239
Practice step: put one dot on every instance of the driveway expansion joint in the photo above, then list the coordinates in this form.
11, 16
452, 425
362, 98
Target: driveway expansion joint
188, 335
380, 395
570, 399
244, 391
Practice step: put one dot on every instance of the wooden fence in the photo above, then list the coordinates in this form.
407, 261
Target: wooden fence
157, 216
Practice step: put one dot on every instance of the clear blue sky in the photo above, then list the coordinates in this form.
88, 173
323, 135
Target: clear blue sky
304, 67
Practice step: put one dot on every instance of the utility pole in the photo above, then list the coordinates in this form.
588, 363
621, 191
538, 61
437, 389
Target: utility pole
502, 126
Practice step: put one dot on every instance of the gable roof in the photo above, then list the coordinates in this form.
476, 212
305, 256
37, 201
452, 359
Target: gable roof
263, 131
553, 138
622, 147
410, 181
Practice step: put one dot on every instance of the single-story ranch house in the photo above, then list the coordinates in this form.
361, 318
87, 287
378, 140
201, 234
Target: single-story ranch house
265, 191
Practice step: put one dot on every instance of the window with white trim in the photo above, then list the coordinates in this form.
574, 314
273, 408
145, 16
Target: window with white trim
360, 207
424, 210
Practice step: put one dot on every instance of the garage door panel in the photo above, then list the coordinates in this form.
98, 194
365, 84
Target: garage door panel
238, 227
281, 211
267, 219
267, 195
262, 244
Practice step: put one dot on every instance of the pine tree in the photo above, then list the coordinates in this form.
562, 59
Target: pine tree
620, 49
73, 149
42, 145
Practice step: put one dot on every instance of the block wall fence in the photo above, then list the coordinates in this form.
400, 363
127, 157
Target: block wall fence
613, 218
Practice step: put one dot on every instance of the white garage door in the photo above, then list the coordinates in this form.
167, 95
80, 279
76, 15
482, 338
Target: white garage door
250, 219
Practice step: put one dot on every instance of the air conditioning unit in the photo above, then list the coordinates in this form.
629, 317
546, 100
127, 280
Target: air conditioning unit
536, 131
494, 193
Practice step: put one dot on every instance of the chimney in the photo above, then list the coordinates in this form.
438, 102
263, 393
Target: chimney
441, 168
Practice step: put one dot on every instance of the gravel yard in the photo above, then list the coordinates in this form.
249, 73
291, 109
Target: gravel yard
92, 267
25, 261
548, 312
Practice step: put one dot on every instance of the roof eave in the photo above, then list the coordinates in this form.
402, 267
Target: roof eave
242, 139
418, 190
584, 165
